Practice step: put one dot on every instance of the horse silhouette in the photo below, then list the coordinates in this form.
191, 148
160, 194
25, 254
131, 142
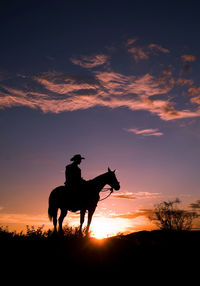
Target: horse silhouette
84, 200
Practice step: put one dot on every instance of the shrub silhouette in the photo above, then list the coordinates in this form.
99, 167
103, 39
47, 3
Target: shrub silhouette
37, 250
38, 233
196, 207
169, 217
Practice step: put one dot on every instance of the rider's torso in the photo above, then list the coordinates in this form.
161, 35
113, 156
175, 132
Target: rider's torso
73, 175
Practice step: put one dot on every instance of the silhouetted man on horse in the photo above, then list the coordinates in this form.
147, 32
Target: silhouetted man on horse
73, 179
78, 194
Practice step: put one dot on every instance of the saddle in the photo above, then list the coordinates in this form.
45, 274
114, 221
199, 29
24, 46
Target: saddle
75, 196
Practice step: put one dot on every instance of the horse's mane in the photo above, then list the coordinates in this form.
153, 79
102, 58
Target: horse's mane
98, 178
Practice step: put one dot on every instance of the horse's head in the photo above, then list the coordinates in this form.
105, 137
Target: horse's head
112, 180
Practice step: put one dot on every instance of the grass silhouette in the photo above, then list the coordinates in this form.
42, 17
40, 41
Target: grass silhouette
37, 250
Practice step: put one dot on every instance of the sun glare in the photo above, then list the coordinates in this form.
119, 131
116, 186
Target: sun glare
104, 227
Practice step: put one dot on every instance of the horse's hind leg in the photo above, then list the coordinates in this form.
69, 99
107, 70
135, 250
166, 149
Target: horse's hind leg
61, 218
90, 214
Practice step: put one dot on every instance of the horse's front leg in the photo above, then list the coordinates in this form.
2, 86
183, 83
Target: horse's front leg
61, 218
82, 217
90, 214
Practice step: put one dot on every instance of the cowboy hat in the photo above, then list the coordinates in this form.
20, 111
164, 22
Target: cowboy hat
77, 157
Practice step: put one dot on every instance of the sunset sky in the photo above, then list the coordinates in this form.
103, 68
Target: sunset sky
117, 82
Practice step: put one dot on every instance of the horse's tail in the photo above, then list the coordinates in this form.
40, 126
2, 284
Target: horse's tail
52, 209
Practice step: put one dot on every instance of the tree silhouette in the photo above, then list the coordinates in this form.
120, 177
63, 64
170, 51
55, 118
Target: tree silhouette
196, 206
169, 217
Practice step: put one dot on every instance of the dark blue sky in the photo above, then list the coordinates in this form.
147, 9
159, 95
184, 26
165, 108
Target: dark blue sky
33, 30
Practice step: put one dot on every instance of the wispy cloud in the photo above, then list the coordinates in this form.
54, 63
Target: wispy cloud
124, 195
144, 52
184, 82
194, 93
145, 132
90, 61
188, 58
155, 48
130, 42
58, 92
136, 196
134, 214
138, 53
65, 87
145, 85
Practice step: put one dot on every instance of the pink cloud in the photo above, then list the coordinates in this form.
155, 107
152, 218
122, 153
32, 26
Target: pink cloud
58, 92
107, 89
145, 132
124, 195
130, 41
195, 99
138, 53
64, 88
143, 53
145, 85
184, 81
46, 102
194, 92
134, 214
166, 111
188, 58
137, 195
90, 61
155, 47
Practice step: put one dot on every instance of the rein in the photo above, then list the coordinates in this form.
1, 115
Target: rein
105, 190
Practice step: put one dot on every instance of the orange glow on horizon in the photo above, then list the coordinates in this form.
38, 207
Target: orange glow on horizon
103, 227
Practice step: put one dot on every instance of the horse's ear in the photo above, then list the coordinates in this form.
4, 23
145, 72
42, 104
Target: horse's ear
109, 170
114, 171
